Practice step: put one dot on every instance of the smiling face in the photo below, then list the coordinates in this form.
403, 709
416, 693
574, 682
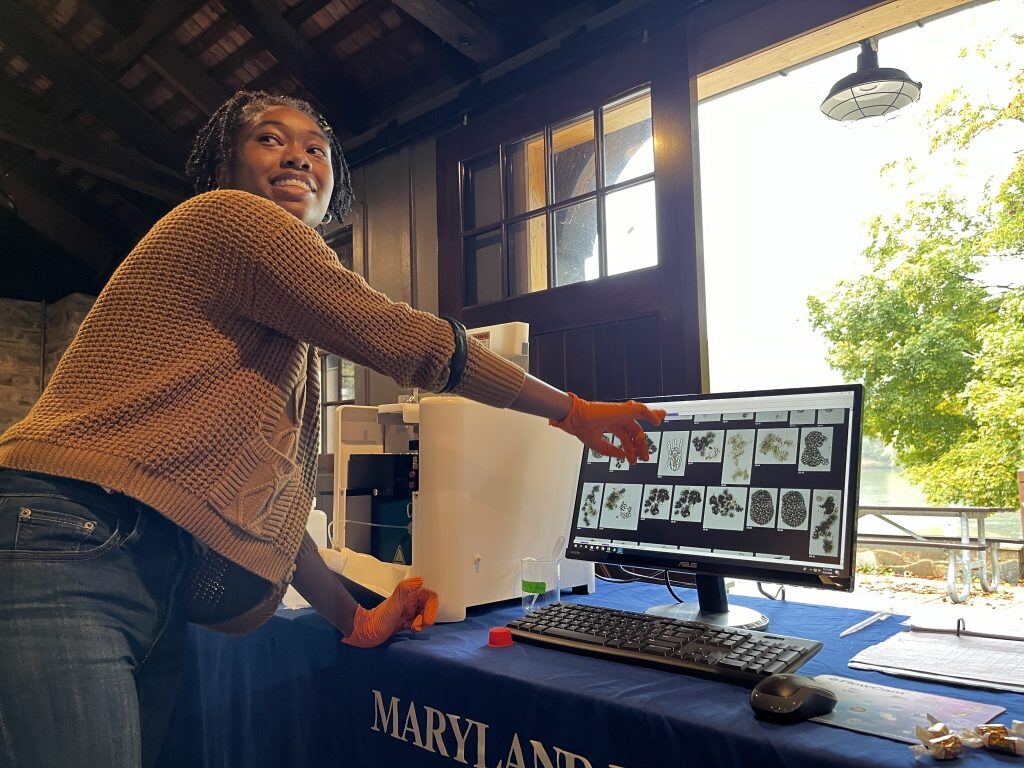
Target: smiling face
283, 155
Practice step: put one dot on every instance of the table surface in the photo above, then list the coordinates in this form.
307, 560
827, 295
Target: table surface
974, 513
290, 694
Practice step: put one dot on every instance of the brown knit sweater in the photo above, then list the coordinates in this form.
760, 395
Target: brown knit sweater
193, 384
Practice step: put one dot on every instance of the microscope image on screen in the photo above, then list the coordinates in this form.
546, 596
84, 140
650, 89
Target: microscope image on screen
688, 504
776, 446
793, 509
672, 457
824, 517
621, 508
706, 446
724, 509
739, 455
590, 505
761, 512
816, 449
657, 502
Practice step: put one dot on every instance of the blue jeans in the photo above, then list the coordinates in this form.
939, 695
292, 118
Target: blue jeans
93, 598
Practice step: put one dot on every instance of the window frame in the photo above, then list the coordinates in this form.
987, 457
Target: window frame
549, 210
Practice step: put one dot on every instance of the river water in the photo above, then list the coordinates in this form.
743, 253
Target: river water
884, 486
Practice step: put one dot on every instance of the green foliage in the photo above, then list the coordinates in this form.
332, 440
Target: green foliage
940, 353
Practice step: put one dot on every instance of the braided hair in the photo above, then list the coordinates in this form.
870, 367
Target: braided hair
215, 143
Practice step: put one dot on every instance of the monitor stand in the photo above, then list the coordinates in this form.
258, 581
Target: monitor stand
712, 607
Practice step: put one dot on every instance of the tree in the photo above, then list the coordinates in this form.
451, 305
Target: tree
941, 352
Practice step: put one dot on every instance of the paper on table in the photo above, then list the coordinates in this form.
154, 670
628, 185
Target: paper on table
894, 713
980, 662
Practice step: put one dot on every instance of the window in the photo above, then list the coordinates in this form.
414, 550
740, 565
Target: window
337, 375
337, 387
805, 192
572, 202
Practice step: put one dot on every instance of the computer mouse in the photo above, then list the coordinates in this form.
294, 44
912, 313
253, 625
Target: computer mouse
790, 699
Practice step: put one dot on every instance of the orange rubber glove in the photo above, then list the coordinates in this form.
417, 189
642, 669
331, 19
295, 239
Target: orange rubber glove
409, 607
589, 421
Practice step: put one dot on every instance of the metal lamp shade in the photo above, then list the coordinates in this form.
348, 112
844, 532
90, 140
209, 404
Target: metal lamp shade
871, 91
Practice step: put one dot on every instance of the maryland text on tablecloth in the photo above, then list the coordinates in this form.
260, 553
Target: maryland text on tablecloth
464, 740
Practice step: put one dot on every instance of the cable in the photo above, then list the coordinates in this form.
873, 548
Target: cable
604, 567
780, 595
614, 581
668, 583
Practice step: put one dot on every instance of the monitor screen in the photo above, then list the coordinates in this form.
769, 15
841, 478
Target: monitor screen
756, 485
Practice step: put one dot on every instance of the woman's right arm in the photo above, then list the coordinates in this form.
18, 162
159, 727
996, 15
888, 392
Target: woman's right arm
292, 282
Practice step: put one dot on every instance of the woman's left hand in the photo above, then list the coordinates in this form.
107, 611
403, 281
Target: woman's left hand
409, 607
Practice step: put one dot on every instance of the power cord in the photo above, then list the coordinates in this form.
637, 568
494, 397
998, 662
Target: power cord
779, 595
668, 583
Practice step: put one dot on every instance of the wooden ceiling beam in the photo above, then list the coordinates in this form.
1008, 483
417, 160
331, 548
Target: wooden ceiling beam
350, 23
161, 19
397, 39
153, 42
52, 219
457, 26
33, 130
298, 14
119, 230
187, 76
205, 40
46, 51
343, 104
235, 59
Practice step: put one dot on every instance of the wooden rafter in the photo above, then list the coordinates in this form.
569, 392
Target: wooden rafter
47, 52
235, 59
51, 216
298, 14
161, 18
205, 40
187, 76
350, 23
373, 56
343, 104
458, 26
34, 130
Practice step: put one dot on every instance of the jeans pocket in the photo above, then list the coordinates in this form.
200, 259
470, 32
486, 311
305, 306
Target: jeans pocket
54, 526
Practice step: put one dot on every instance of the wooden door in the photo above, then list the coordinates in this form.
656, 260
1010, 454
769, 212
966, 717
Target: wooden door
623, 335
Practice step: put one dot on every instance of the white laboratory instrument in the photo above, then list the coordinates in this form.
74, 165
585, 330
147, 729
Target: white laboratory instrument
493, 486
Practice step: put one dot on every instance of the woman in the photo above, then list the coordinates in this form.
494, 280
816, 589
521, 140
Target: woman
166, 473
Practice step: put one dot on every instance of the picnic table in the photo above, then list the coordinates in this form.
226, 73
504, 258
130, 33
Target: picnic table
960, 549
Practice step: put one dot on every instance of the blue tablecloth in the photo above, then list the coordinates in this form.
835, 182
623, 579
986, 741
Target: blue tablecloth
291, 695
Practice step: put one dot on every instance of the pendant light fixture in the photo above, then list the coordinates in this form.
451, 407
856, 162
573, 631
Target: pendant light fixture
871, 91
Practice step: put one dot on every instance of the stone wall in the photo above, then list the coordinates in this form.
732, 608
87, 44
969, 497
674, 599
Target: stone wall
24, 364
21, 335
930, 563
63, 319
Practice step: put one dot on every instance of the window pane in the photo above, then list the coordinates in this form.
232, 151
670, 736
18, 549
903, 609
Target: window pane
631, 228
524, 175
628, 144
348, 380
576, 248
481, 192
332, 381
572, 158
327, 428
528, 255
483, 268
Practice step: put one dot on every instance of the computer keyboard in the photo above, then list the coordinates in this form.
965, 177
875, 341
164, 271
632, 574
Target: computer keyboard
739, 655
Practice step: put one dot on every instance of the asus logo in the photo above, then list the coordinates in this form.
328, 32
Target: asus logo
686, 564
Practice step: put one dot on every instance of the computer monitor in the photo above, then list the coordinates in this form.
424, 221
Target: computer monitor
752, 485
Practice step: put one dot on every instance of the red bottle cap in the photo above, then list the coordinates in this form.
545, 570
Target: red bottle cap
499, 637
